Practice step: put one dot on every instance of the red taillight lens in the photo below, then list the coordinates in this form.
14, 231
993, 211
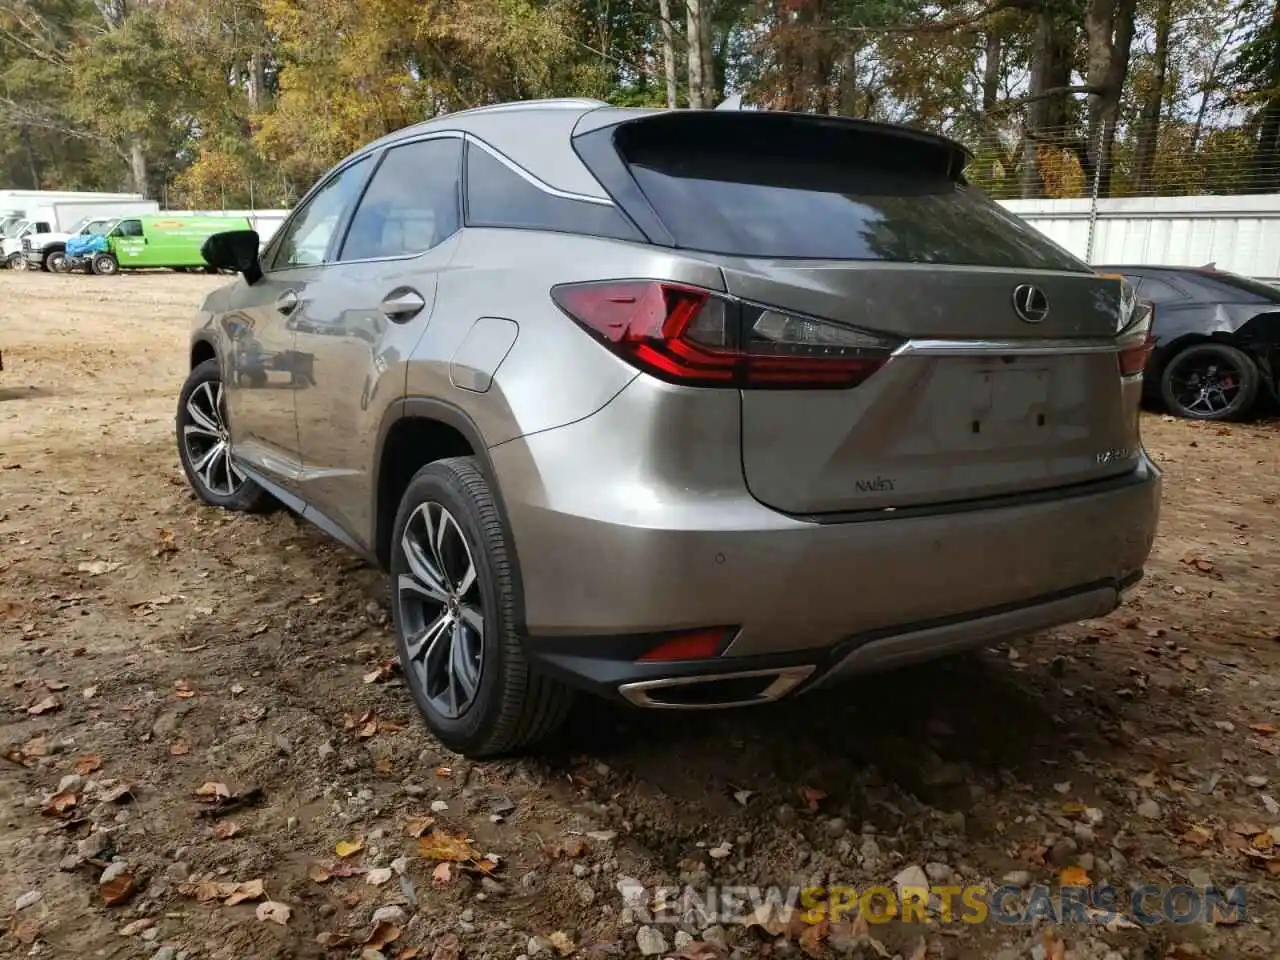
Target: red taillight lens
694, 645
691, 336
1136, 341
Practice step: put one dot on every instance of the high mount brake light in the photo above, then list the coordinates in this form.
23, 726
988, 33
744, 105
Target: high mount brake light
1136, 341
694, 337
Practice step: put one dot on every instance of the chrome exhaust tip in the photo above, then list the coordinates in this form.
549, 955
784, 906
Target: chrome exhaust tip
715, 691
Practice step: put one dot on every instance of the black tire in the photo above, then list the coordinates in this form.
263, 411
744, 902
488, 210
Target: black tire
105, 264
1225, 379
513, 706
203, 384
55, 261
16, 262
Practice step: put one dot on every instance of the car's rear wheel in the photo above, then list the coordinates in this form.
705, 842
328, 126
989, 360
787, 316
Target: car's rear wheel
454, 606
204, 445
105, 265
1210, 381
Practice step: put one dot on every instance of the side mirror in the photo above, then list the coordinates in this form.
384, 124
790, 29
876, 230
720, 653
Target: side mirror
234, 250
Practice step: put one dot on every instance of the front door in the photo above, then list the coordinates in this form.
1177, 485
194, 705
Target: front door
263, 371
366, 315
128, 243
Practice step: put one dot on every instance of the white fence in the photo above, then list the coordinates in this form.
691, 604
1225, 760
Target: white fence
1240, 234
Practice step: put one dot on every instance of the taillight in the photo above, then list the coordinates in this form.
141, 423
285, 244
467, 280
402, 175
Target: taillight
694, 337
1135, 340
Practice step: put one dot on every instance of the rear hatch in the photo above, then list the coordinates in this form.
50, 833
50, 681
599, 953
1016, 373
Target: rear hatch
1001, 373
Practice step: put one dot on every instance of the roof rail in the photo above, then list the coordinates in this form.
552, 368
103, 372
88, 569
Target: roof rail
552, 103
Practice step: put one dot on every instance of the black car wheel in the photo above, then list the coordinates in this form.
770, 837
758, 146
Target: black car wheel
1210, 381
105, 265
454, 607
204, 445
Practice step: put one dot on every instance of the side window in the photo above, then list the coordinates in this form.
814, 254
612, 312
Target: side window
42, 228
1157, 291
411, 204
129, 228
305, 239
497, 196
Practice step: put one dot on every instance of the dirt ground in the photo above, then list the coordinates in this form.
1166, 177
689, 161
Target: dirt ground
151, 647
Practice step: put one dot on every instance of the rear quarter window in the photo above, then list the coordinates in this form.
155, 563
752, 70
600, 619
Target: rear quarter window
498, 196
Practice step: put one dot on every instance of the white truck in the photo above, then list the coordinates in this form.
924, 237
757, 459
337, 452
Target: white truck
45, 250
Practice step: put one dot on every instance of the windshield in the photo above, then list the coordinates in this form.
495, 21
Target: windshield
80, 224
96, 228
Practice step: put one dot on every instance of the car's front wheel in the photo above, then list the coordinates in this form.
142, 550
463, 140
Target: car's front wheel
105, 265
204, 445
1210, 381
454, 605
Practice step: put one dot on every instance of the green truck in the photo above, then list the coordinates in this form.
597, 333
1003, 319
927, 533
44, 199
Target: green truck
161, 241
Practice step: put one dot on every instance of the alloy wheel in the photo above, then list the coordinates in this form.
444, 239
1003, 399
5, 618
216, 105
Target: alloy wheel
208, 441
440, 610
1205, 386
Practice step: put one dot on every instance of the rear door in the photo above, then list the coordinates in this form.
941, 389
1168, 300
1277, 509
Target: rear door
1004, 379
363, 316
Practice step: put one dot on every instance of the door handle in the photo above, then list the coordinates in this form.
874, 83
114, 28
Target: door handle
402, 304
287, 302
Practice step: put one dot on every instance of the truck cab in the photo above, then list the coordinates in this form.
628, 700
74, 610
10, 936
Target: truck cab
11, 246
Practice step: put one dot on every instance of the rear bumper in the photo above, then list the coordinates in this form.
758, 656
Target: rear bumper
622, 540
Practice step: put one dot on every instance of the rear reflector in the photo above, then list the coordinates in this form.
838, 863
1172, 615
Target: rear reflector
695, 645
694, 337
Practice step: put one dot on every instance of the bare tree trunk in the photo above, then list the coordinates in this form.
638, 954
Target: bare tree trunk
847, 95
1266, 158
711, 94
1109, 33
1149, 124
33, 165
1046, 115
259, 95
1210, 81
669, 53
693, 39
991, 64
138, 167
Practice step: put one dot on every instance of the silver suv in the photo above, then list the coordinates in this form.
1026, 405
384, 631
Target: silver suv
691, 409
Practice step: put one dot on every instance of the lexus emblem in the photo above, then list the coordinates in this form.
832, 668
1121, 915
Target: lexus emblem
1030, 303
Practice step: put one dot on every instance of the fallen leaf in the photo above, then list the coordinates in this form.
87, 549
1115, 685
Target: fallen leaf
1198, 836
382, 934
164, 543
335, 941
55, 685
179, 748
1246, 829
117, 794
560, 941
47, 705
1075, 877
367, 726
442, 874
348, 848
384, 766
36, 747
352, 899
443, 846
26, 931
213, 792
700, 950
96, 568
417, 826
447, 948
270, 910
319, 874
119, 889
768, 917
812, 797
811, 938
89, 692
378, 876
183, 690
1266, 729
444, 771
87, 764
226, 829
249, 890
60, 803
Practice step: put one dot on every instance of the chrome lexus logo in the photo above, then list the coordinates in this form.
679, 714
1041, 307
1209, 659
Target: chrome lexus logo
1030, 303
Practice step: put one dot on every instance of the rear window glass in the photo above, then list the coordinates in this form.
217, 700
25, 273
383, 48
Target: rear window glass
824, 200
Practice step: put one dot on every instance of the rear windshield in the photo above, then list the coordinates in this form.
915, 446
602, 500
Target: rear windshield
1263, 291
821, 197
